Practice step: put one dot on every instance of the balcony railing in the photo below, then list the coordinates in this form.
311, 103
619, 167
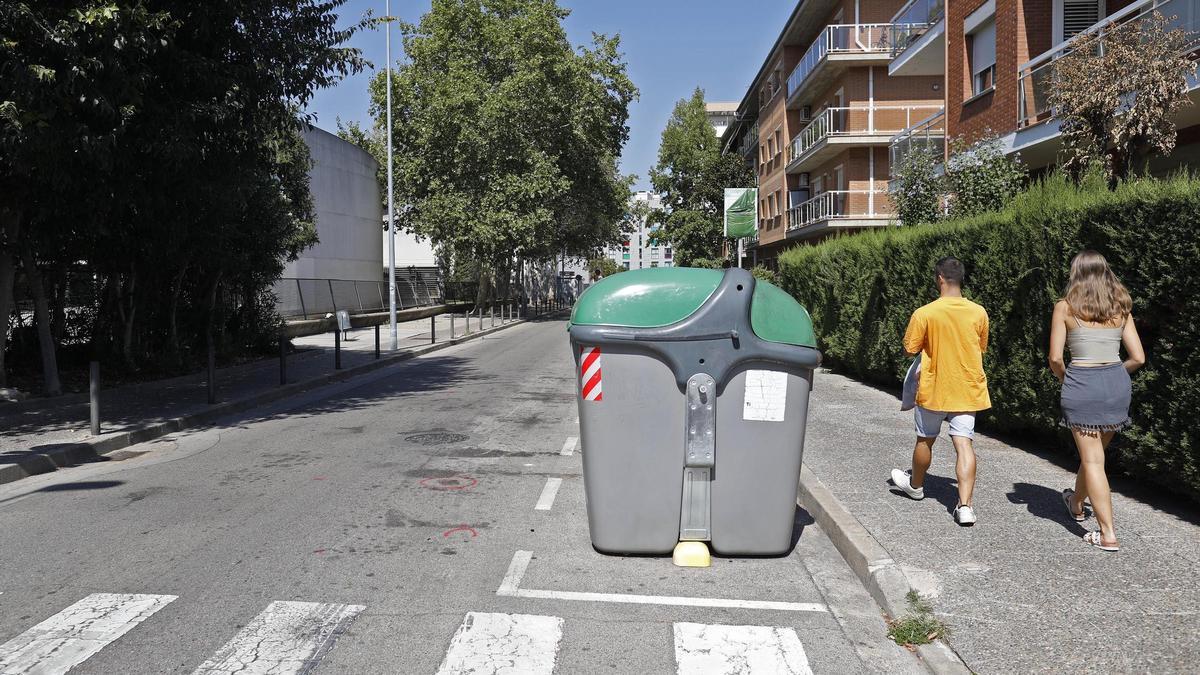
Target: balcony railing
928, 134
1034, 79
862, 38
838, 205
749, 143
913, 20
866, 120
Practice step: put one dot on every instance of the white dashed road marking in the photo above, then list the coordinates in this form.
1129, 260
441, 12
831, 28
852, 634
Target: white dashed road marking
287, 637
737, 650
548, 494
75, 634
504, 643
568, 448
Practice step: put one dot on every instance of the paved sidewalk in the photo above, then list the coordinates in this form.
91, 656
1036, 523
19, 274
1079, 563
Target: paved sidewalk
1020, 590
45, 425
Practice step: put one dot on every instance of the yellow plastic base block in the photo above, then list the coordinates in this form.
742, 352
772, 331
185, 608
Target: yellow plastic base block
691, 554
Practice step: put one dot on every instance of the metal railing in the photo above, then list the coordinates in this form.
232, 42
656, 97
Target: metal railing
861, 38
866, 120
313, 298
928, 134
1034, 79
838, 204
749, 142
914, 20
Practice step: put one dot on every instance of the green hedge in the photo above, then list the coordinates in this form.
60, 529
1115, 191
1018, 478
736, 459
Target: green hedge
862, 289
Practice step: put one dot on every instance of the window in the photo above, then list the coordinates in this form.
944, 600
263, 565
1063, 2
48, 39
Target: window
778, 137
667, 253
654, 264
982, 46
626, 264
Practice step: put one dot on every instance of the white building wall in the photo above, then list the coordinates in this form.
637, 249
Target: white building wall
639, 253
349, 216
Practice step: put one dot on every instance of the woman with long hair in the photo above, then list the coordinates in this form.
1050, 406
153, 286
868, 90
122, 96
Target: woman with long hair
1093, 320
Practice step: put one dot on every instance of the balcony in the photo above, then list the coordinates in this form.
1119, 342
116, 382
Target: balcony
749, 142
1034, 79
928, 134
839, 209
836, 129
835, 49
920, 39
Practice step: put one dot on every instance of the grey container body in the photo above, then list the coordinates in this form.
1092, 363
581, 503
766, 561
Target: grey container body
633, 443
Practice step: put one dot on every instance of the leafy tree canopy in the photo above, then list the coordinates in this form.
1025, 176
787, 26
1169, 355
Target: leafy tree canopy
691, 175
506, 136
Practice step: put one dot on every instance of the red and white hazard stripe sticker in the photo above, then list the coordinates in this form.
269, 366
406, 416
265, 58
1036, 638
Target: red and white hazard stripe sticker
589, 374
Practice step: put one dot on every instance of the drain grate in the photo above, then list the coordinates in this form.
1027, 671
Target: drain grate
436, 438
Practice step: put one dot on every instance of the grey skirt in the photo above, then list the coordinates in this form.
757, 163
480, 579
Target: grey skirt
1097, 398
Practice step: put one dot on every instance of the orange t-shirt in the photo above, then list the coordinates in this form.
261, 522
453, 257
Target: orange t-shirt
952, 335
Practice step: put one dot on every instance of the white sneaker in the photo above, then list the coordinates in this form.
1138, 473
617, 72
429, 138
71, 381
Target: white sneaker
964, 515
903, 480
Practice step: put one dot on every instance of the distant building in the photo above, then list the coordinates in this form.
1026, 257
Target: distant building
638, 252
721, 115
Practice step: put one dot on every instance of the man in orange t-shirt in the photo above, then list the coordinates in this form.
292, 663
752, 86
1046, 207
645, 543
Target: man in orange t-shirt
951, 335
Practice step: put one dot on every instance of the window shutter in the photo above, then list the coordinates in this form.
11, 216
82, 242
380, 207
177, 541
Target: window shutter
1078, 16
983, 47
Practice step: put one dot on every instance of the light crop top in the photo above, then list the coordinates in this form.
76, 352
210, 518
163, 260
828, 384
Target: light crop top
1094, 345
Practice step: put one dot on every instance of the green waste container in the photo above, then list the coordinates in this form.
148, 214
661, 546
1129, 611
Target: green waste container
693, 399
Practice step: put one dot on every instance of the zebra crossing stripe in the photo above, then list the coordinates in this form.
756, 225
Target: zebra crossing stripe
75, 634
589, 374
719, 650
287, 637
504, 643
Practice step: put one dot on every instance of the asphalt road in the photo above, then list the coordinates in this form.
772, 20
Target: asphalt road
428, 516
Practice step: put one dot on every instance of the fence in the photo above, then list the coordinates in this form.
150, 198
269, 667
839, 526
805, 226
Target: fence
310, 298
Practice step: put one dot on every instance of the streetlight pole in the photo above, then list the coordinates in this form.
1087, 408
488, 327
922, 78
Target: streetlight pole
391, 214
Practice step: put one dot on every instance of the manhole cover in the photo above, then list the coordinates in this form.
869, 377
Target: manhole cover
436, 438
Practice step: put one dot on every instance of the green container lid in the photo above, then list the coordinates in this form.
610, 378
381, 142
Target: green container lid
652, 298
647, 298
775, 316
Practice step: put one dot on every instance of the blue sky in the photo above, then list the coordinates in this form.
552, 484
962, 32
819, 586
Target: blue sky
671, 46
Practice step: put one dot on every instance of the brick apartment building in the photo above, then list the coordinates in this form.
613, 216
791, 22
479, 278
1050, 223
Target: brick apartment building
818, 118
997, 57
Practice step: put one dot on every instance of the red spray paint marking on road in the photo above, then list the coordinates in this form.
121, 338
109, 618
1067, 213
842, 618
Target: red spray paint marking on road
461, 528
461, 482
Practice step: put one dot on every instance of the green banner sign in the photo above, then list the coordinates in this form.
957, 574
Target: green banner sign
741, 212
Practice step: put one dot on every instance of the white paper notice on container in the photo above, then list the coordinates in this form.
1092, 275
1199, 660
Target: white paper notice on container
766, 396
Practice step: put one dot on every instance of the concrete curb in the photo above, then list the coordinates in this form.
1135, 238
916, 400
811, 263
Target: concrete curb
872, 563
69, 454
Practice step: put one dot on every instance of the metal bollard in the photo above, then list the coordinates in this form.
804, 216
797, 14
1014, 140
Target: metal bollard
94, 395
467, 318
492, 313
433, 329
376, 341
212, 373
337, 349
451, 325
282, 360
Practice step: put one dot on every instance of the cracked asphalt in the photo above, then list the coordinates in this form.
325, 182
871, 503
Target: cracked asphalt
397, 502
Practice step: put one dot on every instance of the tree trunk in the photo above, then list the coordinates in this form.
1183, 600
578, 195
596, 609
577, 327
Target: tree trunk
41, 314
173, 316
9, 224
127, 320
58, 309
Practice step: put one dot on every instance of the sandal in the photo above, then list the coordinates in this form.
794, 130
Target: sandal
1068, 496
1095, 539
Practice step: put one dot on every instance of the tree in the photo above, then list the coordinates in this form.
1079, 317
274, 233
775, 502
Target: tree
691, 175
1120, 88
605, 265
918, 192
506, 137
157, 145
979, 176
